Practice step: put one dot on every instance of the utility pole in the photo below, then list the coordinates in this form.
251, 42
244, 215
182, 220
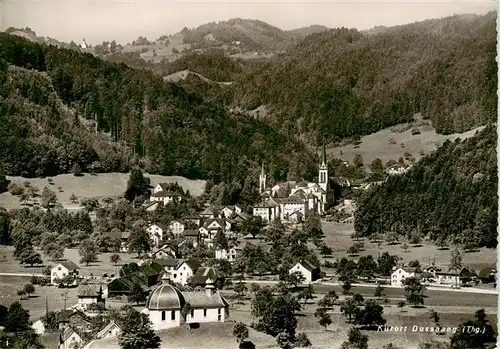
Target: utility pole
64, 296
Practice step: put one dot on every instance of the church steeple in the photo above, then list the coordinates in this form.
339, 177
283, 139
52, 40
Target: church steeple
323, 169
262, 180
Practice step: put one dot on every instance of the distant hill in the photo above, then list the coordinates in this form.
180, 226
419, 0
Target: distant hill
344, 82
62, 109
31, 35
301, 33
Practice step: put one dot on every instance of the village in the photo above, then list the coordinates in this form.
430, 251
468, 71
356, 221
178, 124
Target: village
200, 267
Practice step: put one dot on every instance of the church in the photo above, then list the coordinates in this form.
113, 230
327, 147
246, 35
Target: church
302, 197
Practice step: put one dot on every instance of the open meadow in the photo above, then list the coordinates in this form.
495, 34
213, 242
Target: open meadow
90, 185
9, 265
338, 237
336, 333
376, 145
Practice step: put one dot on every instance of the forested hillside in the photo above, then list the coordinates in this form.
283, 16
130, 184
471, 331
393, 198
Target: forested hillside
450, 195
53, 95
344, 82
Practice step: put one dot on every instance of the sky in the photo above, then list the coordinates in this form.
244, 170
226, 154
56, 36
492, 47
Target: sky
124, 21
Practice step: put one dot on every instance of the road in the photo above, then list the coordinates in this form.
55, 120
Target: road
21, 274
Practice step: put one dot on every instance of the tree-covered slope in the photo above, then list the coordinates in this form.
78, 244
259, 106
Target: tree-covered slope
450, 194
345, 82
53, 96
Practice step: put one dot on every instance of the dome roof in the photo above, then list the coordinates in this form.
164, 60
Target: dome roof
165, 297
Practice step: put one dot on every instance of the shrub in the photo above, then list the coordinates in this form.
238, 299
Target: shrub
14, 189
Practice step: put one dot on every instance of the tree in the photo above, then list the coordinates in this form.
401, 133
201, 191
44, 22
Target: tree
370, 316
414, 291
137, 332
73, 198
455, 264
379, 291
18, 319
51, 321
220, 241
325, 250
136, 185
464, 338
306, 293
279, 315
346, 283
29, 289
240, 289
4, 182
349, 308
30, 256
401, 305
405, 247
355, 340
415, 238
115, 258
294, 279
366, 266
392, 238
353, 250
21, 293
252, 226
284, 340
328, 300
434, 316
136, 294
139, 241
323, 317
87, 251
358, 160
49, 198
54, 250
77, 170
415, 264
302, 341
262, 298
240, 331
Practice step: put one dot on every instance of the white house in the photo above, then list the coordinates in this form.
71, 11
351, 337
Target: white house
184, 272
227, 254
447, 278
400, 274
63, 269
166, 302
38, 327
163, 252
228, 210
309, 271
160, 193
157, 232
177, 227
69, 338
89, 294
110, 330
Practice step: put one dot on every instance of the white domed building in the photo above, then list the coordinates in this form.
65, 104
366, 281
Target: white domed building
168, 307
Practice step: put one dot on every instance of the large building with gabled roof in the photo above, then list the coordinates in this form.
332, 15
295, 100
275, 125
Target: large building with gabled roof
300, 198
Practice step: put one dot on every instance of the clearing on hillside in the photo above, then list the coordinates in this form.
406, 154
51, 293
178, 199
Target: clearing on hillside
99, 185
378, 144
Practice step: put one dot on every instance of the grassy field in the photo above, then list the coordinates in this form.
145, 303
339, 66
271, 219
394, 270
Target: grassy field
9, 265
100, 185
376, 145
338, 237
336, 333
210, 336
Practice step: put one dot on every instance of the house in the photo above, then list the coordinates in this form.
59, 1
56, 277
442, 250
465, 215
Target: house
239, 217
177, 227
400, 274
69, 338
110, 330
227, 254
62, 270
208, 213
75, 319
89, 294
487, 274
228, 210
121, 286
157, 232
193, 236
165, 251
166, 303
447, 278
124, 241
307, 269
161, 193
202, 275
193, 221
184, 272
